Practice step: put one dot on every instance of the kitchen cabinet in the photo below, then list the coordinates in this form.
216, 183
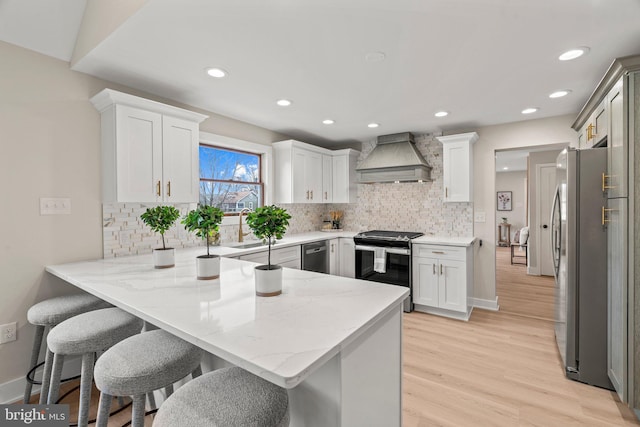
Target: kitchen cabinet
327, 179
334, 257
285, 257
347, 253
617, 145
457, 166
616, 219
308, 174
443, 280
149, 150
344, 176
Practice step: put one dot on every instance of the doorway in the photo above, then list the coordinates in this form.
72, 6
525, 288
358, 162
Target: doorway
524, 268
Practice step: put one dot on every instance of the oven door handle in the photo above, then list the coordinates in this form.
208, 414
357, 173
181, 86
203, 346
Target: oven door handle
399, 251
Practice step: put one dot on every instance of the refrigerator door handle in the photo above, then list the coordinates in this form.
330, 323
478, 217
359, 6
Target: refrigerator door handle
556, 233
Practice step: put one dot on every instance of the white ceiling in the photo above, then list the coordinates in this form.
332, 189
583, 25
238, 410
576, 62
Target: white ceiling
482, 60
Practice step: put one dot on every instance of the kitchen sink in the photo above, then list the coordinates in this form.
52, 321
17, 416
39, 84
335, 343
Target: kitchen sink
249, 245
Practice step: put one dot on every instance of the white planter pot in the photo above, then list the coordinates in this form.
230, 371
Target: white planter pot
268, 282
208, 267
164, 258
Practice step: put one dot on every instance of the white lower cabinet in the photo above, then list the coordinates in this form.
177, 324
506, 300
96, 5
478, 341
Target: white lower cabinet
443, 280
347, 254
285, 257
334, 257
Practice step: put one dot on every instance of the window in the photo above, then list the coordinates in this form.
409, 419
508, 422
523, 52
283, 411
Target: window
230, 179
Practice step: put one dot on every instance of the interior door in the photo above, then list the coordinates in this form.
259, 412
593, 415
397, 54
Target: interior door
546, 194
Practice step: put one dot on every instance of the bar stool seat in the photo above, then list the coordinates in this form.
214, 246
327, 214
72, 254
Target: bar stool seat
140, 365
47, 314
228, 397
86, 334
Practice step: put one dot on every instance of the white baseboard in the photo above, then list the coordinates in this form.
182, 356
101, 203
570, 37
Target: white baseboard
486, 304
533, 271
13, 390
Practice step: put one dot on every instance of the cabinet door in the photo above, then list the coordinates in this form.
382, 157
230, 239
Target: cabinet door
452, 285
138, 155
180, 160
327, 179
425, 281
456, 172
313, 172
341, 179
617, 145
582, 137
334, 256
600, 120
299, 178
347, 254
617, 294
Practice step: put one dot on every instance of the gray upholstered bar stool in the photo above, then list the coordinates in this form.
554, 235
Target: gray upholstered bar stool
228, 397
141, 364
47, 314
86, 334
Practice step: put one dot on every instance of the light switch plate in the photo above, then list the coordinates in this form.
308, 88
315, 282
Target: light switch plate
55, 206
480, 216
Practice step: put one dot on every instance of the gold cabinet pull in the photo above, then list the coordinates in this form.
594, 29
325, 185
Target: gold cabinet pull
604, 215
441, 269
311, 194
169, 188
326, 196
434, 269
446, 192
307, 194
605, 187
437, 252
158, 189
590, 133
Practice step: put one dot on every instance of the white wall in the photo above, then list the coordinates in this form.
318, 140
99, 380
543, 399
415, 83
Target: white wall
530, 133
50, 136
516, 183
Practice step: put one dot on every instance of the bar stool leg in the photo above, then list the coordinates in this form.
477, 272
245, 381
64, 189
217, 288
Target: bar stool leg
104, 408
137, 414
56, 374
46, 377
196, 372
168, 390
152, 400
37, 343
86, 380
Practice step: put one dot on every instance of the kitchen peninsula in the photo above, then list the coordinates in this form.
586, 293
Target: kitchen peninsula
333, 342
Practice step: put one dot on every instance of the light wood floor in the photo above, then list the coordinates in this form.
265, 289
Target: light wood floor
499, 369
519, 293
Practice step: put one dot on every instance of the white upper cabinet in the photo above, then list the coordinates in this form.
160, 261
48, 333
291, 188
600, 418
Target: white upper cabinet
457, 166
308, 174
344, 176
149, 150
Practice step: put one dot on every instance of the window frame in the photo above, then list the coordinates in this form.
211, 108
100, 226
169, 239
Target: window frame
266, 164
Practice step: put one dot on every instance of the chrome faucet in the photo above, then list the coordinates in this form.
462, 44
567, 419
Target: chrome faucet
240, 233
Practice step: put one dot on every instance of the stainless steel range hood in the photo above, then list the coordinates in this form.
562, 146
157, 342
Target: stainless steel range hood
394, 159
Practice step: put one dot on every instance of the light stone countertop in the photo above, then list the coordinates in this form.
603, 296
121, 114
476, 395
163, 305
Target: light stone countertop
446, 241
229, 249
282, 339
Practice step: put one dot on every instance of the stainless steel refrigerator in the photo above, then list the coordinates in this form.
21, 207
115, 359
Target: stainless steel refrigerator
579, 248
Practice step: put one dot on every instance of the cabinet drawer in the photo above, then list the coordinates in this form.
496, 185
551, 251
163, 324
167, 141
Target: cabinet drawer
439, 251
285, 254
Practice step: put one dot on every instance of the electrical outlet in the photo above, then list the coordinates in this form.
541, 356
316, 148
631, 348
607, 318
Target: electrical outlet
479, 216
8, 332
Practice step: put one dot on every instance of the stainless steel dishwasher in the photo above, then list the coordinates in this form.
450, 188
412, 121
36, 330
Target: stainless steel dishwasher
315, 256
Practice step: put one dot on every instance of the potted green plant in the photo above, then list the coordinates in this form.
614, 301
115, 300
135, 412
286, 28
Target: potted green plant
204, 222
270, 223
160, 219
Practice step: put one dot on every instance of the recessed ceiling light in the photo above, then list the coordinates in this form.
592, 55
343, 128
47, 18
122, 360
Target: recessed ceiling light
574, 53
216, 72
328, 122
283, 102
529, 110
560, 93
373, 125
375, 56
505, 168
441, 114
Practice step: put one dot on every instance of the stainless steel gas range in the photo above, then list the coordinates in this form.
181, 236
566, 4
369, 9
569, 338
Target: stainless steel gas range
385, 257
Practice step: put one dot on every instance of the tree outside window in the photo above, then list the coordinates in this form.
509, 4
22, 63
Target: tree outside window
230, 179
